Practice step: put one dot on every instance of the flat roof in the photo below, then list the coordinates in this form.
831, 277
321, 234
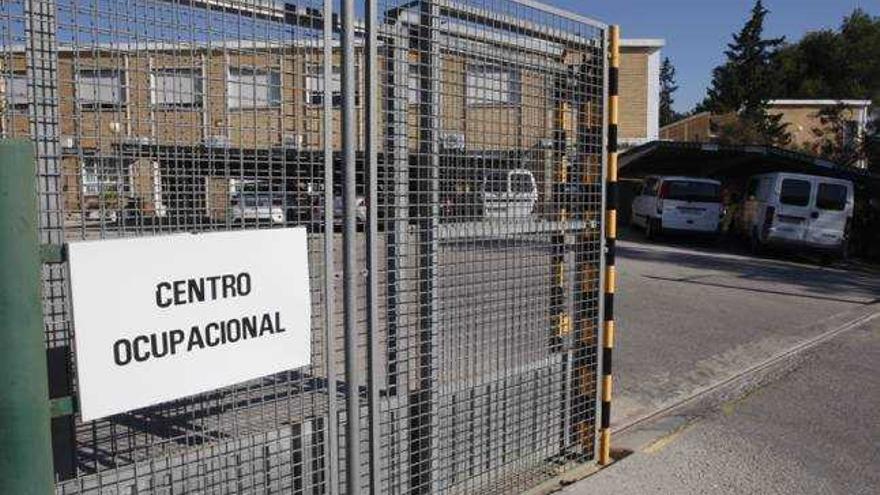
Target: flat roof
687, 119
642, 43
719, 161
821, 102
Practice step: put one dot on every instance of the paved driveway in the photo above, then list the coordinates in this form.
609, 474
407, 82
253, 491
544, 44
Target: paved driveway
691, 314
813, 431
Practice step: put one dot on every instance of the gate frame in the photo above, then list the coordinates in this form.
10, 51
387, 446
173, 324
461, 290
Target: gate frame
44, 122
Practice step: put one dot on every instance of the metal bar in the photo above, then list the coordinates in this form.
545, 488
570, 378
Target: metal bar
349, 237
332, 466
602, 226
25, 439
610, 220
43, 98
398, 149
372, 106
423, 407
399, 276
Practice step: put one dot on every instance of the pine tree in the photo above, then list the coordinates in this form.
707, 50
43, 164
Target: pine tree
747, 80
667, 88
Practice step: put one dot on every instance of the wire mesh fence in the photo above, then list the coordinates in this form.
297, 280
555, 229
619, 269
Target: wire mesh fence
446, 158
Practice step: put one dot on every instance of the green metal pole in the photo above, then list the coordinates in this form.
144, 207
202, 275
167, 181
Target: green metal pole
25, 438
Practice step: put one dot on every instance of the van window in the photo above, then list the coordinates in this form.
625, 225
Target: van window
795, 192
496, 182
520, 183
701, 192
831, 197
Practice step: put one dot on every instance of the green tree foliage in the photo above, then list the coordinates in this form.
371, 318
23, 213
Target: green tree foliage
871, 145
841, 64
667, 90
836, 138
833, 64
744, 84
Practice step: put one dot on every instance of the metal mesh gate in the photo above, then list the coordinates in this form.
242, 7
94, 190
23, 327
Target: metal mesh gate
447, 160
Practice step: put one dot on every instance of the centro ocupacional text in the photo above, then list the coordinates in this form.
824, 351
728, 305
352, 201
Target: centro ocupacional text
173, 293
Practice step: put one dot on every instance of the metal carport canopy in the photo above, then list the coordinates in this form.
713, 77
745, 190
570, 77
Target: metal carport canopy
720, 161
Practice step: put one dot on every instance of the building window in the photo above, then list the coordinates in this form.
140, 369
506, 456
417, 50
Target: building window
249, 87
413, 84
491, 85
315, 88
16, 91
100, 88
103, 176
176, 87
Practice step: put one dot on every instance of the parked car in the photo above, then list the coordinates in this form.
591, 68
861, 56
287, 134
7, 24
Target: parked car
678, 204
257, 207
317, 200
798, 211
509, 193
106, 216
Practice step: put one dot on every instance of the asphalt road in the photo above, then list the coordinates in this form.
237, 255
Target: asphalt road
691, 314
814, 431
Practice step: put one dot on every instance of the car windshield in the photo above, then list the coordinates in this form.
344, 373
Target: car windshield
702, 192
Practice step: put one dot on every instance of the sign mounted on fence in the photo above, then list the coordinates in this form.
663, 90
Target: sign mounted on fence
160, 318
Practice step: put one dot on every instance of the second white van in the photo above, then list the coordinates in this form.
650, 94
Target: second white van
797, 210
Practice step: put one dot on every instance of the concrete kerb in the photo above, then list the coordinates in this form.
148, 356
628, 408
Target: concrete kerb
641, 433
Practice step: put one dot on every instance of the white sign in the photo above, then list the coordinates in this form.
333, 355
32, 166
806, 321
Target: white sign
160, 318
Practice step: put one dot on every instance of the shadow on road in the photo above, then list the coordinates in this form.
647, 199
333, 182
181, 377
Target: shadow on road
846, 283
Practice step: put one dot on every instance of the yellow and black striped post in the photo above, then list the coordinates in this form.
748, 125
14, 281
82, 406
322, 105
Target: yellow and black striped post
610, 240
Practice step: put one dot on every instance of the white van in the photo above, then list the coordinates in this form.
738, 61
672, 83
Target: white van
509, 193
682, 204
798, 210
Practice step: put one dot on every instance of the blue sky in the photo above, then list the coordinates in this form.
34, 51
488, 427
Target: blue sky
697, 31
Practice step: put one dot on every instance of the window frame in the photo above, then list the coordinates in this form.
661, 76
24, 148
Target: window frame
273, 101
413, 92
198, 84
100, 105
315, 71
513, 82
118, 182
16, 107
